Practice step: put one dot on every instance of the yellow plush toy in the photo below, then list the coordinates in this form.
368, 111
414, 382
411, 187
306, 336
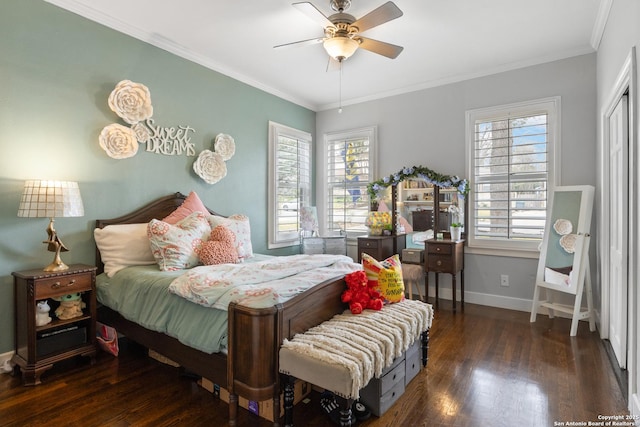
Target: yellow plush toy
70, 306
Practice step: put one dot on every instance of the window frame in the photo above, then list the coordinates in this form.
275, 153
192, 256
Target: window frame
322, 186
552, 107
277, 239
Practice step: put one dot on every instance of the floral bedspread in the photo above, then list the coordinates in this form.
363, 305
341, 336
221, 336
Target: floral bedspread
260, 284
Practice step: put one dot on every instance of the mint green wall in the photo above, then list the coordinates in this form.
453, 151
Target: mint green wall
56, 72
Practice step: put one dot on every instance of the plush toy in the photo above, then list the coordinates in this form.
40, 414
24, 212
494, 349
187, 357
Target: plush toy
42, 313
220, 248
361, 294
71, 306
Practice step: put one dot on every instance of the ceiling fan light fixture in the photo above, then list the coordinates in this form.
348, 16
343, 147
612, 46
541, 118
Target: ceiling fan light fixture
340, 47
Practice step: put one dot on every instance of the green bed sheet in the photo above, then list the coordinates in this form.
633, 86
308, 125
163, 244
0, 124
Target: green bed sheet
141, 294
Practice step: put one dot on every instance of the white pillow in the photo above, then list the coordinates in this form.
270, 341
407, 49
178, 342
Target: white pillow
123, 245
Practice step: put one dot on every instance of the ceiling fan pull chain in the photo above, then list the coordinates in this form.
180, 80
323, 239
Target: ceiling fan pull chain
340, 91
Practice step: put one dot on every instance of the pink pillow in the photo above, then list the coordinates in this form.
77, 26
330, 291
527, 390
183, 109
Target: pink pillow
240, 226
190, 205
220, 248
382, 207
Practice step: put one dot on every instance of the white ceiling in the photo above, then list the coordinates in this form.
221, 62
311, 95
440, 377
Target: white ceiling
444, 41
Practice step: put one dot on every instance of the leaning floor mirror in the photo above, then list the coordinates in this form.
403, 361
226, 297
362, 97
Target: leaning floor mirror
564, 255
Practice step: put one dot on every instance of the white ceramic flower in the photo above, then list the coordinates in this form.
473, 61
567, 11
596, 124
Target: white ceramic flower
568, 242
210, 166
563, 226
131, 102
118, 141
143, 134
225, 146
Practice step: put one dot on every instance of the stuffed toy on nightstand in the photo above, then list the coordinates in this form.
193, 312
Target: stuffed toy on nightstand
71, 306
42, 313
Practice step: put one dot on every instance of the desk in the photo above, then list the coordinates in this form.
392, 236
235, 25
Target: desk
381, 247
445, 256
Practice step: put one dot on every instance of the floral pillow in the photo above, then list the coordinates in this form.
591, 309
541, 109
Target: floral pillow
176, 246
387, 274
190, 205
239, 225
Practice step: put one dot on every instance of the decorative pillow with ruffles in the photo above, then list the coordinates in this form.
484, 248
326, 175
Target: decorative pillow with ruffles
240, 226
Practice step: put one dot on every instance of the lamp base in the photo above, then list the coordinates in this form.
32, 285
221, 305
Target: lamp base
54, 266
57, 264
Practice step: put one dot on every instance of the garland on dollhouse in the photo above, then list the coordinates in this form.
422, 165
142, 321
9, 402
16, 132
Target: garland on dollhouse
375, 188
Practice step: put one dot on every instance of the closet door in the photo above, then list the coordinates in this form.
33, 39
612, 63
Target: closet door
618, 226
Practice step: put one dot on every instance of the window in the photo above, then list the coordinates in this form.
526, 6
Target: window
511, 153
289, 183
348, 164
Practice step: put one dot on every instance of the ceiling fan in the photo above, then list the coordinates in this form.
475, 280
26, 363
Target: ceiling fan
342, 31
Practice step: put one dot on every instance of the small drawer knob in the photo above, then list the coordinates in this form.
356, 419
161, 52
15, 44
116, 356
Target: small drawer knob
438, 249
57, 285
439, 262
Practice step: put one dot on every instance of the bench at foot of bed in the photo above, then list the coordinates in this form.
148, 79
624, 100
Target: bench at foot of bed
369, 356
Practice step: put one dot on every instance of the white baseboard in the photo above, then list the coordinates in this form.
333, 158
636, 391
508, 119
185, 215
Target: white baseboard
5, 364
499, 301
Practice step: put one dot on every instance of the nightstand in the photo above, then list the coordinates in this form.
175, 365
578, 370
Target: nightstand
445, 256
39, 347
381, 247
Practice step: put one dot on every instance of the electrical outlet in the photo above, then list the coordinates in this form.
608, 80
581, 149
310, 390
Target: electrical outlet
504, 280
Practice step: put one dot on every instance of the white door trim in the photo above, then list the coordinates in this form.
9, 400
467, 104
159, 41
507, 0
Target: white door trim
626, 82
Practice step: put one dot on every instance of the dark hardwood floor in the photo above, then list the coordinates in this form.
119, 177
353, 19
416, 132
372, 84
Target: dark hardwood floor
487, 367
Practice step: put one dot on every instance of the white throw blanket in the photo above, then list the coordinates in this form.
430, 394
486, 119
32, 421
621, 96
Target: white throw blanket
365, 343
260, 284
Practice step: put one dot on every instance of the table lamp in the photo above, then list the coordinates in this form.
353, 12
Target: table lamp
308, 221
51, 199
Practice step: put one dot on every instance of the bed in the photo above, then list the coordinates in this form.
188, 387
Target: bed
253, 334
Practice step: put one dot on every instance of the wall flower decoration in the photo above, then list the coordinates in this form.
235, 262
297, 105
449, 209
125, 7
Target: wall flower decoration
143, 134
210, 166
225, 146
422, 172
131, 102
118, 141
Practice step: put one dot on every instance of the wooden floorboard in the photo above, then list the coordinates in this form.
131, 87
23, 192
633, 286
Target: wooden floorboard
487, 367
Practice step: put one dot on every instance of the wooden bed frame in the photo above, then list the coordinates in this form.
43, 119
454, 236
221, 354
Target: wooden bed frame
250, 368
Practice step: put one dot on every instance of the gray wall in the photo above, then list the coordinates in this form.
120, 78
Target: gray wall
427, 128
56, 72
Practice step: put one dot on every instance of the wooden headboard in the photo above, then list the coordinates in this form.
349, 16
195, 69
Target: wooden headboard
157, 209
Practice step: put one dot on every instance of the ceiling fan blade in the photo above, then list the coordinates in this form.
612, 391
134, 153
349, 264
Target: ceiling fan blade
300, 43
381, 48
312, 12
385, 13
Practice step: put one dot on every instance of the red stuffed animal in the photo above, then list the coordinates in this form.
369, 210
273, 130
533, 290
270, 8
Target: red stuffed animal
360, 293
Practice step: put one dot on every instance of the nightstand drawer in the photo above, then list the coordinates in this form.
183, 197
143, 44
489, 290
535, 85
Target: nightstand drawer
368, 243
63, 285
440, 263
436, 248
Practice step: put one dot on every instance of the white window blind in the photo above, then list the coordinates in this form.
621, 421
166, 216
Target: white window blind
512, 160
290, 183
349, 171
